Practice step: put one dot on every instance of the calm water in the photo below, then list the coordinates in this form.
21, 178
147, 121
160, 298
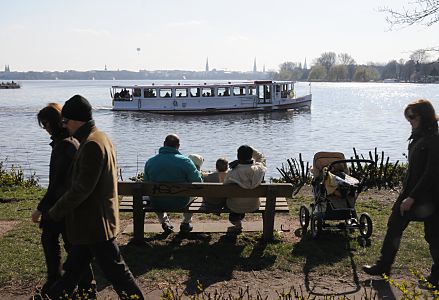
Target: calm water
342, 116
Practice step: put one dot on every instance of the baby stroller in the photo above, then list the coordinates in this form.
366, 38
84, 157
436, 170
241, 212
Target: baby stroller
335, 193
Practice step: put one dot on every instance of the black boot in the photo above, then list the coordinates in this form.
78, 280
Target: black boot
376, 269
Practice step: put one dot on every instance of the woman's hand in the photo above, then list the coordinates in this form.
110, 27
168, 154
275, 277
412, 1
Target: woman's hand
406, 204
36, 216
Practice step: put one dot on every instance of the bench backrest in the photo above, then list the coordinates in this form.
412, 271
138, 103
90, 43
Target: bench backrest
204, 189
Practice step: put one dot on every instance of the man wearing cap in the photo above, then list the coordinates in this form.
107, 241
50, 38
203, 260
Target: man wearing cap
90, 206
169, 165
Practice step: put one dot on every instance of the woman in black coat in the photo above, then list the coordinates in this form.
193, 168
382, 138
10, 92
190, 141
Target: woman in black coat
418, 200
63, 152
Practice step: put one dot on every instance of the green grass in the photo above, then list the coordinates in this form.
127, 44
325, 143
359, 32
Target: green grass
18, 203
335, 250
21, 254
214, 257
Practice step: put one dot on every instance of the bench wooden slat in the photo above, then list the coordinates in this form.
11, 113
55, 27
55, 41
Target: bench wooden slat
205, 189
272, 200
200, 205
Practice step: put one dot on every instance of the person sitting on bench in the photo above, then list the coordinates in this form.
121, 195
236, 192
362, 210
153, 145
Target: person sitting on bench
169, 165
222, 166
248, 172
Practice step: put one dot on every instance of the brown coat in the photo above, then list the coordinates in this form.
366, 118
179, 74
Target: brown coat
90, 206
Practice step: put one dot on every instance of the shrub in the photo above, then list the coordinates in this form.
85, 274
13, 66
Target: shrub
14, 176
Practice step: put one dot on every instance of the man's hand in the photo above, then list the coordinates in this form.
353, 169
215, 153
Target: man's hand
406, 204
36, 216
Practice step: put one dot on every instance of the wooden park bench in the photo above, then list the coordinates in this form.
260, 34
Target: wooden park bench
137, 190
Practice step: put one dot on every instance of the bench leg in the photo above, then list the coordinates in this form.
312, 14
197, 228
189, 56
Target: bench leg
268, 218
138, 220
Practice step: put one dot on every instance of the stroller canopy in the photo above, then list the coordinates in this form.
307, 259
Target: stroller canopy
324, 159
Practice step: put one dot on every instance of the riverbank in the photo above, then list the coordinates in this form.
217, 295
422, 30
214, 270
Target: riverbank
224, 262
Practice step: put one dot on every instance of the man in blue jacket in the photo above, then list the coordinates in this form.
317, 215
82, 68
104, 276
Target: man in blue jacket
171, 166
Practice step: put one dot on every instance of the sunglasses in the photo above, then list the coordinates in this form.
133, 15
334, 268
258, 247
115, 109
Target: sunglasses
65, 120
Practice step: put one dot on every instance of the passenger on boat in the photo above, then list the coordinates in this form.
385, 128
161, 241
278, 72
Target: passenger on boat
125, 94
222, 166
169, 165
248, 172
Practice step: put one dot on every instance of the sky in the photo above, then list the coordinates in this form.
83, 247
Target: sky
53, 35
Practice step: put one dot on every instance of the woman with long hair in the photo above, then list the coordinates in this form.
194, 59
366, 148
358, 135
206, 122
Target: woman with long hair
418, 199
63, 152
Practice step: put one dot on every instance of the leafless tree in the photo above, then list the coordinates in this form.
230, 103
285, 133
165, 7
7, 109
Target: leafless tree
327, 59
424, 12
345, 59
420, 56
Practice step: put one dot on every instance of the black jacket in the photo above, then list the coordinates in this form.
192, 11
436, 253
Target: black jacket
63, 152
422, 179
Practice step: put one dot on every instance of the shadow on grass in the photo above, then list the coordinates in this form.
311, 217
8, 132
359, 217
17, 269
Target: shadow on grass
330, 248
206, 261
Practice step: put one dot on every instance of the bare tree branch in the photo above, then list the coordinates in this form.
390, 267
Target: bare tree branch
425, 12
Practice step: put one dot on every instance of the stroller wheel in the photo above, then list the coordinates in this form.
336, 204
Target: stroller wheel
366, 226
316, 226
304, 217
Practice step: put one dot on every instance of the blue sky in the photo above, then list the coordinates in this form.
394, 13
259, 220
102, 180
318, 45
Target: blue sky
180, 34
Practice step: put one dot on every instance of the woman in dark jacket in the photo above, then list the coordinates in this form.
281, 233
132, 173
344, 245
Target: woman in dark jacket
418, 200
63, 152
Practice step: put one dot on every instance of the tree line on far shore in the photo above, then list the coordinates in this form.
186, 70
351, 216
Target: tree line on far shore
342, 67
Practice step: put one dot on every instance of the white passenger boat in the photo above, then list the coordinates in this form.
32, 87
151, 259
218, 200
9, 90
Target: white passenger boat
209, 98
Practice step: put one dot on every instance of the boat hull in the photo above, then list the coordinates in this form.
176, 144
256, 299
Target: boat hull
288, 104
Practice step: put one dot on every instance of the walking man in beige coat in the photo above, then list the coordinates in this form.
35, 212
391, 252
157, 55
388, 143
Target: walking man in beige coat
90, 206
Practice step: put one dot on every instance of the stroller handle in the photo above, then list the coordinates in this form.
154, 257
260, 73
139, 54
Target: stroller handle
369, 161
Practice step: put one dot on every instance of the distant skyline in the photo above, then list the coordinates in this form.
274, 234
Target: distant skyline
181, 34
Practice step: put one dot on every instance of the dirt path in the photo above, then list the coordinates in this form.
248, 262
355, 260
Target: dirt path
5, 226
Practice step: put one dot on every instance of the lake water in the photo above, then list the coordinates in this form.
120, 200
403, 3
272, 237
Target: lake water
342, 116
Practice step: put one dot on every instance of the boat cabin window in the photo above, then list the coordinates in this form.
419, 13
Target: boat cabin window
207, 92
223, 91
284, 90
195, 92
180, 93
252, 90
264, 93
239, 90
165, 93
149, 93
136, 93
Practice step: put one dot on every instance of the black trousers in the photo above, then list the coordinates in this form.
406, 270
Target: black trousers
50, 240
395, 228
110, 261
